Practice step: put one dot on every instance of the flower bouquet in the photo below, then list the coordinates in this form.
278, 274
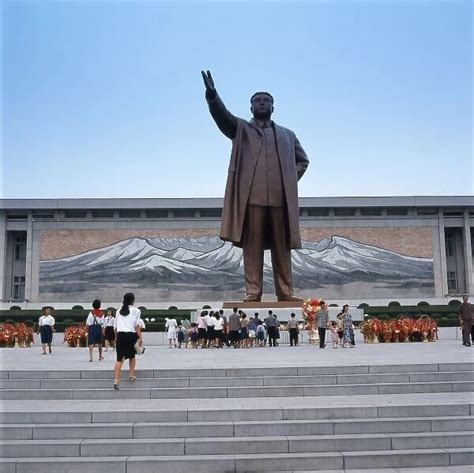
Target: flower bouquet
310, 309
76, 336
7, 335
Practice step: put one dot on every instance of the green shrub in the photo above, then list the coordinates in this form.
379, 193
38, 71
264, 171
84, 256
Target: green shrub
363, 306
423, 304
394, 304
15, 307
77, 307
454, 302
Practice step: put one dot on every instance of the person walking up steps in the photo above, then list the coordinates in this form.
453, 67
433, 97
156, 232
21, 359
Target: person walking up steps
128, 333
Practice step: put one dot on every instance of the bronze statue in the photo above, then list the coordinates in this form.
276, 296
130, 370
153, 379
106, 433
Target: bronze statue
261, 197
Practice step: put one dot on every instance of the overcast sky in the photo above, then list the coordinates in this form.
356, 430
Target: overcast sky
105, 99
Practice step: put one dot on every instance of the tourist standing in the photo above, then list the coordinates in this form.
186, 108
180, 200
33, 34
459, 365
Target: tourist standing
347, 327
293, 330
244, 333
95, 329
202, 328
465, 320
334, 334
234, 327
218, 330
322, 321
46, 328
128, 333
172, 326
109, 328
271, 325
340, 328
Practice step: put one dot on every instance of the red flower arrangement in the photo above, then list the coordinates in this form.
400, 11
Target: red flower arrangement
424, 329
18, 333
310, 309
76, 335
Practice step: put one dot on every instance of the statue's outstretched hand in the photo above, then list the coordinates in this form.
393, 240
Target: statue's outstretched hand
209, 83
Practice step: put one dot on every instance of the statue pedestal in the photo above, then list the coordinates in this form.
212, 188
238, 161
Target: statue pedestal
263, 305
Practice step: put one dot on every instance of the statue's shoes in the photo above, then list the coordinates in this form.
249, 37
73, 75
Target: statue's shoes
252, 298
289, 299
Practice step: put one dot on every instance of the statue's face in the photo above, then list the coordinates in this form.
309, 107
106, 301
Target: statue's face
262, 106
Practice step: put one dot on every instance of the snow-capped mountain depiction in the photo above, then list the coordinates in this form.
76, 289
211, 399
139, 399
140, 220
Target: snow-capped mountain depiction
179, 265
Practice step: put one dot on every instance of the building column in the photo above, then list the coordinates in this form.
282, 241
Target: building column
468, 254
3, 253
442, 253
29, 257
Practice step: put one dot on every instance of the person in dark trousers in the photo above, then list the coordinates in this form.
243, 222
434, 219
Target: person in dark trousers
465, 320
322, 322
293, 330
271, 324
234, 328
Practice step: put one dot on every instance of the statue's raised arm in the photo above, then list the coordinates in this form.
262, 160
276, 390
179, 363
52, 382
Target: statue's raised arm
226, 122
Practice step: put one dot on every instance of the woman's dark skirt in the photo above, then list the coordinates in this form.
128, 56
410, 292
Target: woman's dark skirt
46, 332
95, 335
109, 334
244, 333
125, 345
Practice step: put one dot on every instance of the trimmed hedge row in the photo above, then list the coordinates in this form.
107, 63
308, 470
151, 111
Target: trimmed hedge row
66, 317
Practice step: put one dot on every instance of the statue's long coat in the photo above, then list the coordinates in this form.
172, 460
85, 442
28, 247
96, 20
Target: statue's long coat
247, 144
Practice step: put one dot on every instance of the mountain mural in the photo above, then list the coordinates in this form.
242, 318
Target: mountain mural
206, 265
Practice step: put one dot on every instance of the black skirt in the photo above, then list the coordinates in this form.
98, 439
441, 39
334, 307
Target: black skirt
125, 345
46, 333
109, 334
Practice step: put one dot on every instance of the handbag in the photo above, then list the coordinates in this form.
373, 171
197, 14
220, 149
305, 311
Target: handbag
139, 349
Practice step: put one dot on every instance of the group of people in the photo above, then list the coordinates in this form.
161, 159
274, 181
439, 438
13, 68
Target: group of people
341, 330
213, 329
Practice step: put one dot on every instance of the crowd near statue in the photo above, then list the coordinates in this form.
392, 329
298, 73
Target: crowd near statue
261, 196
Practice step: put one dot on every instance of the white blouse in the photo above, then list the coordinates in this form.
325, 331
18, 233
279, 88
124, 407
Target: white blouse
90, 320
127, 323
46, 320
109, 321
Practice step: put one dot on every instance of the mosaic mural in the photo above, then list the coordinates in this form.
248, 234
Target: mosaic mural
202, 267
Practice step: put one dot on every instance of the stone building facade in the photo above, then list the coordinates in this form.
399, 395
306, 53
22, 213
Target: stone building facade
167, 251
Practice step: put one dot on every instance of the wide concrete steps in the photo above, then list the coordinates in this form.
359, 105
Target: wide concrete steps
243, 462
279, 419
158, 385
234, 429
236, 445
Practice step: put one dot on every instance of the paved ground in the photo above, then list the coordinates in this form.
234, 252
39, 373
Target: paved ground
156, 357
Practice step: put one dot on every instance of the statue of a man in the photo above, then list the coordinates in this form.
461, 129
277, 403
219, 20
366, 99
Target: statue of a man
261, 197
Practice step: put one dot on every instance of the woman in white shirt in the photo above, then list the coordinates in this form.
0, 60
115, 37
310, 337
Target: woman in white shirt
109, 332
46, 329
171, 325
127, 323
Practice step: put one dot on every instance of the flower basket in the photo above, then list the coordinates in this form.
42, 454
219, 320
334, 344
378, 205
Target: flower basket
76, 336
15, 335
310, 309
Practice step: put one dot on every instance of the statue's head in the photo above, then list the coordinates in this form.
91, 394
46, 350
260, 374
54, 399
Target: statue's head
261, 105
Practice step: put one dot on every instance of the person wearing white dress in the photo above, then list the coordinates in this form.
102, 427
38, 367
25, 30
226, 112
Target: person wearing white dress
171, 325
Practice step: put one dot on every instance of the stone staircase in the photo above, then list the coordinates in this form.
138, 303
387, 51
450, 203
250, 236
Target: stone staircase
239, 420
